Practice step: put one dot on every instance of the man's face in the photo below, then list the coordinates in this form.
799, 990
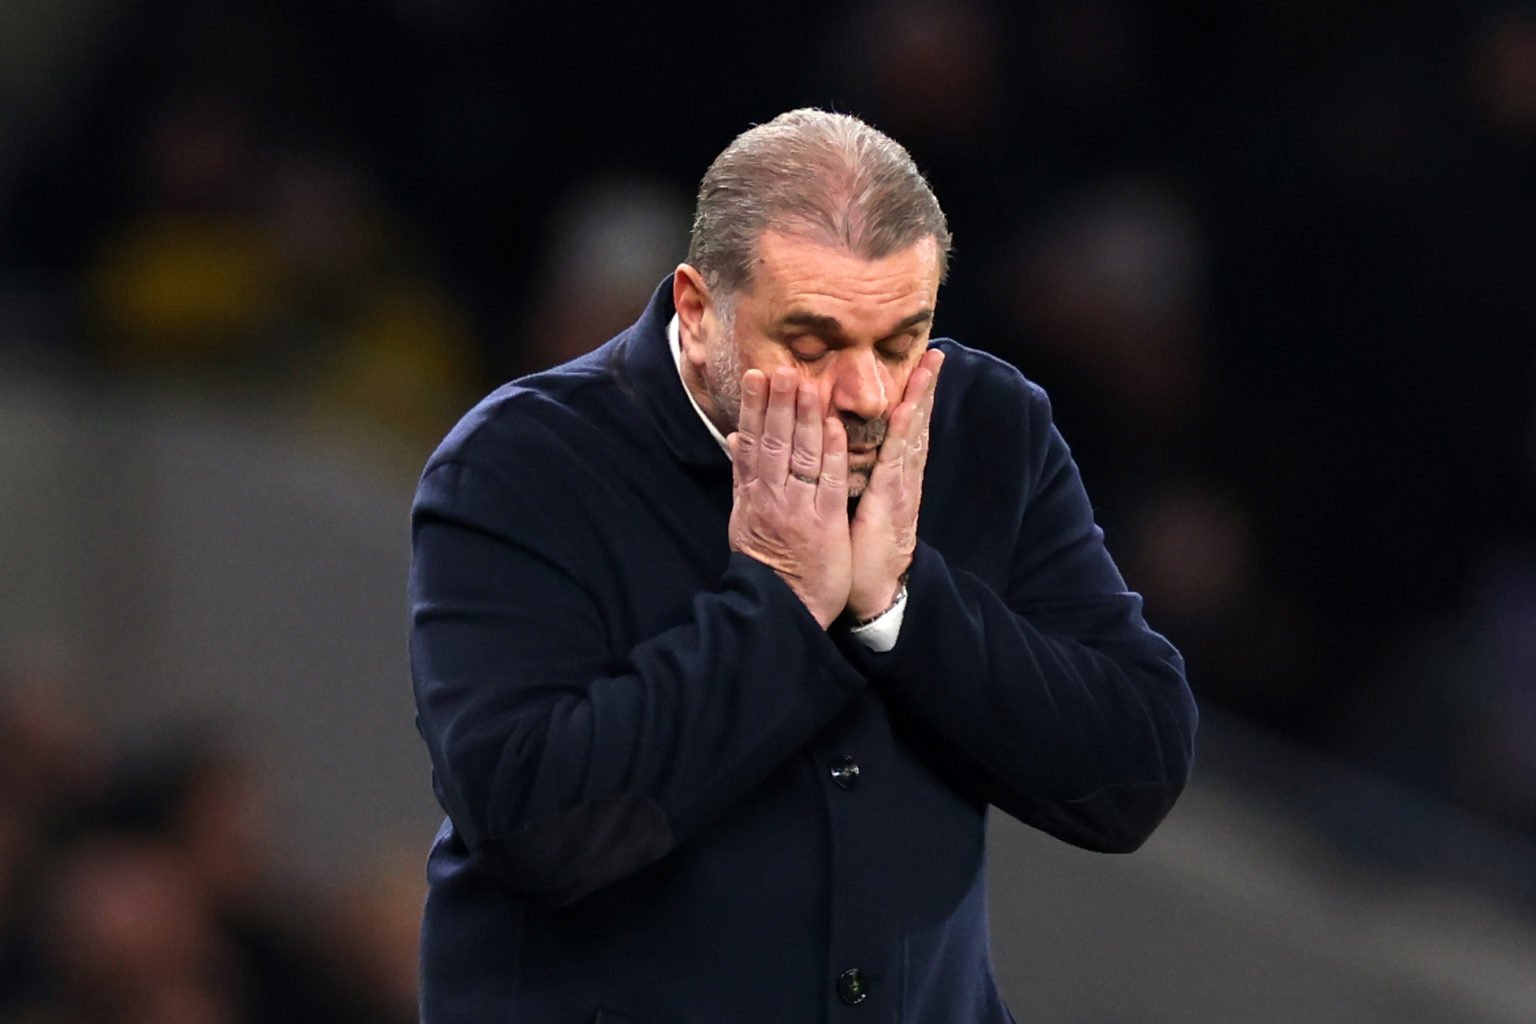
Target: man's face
854, 328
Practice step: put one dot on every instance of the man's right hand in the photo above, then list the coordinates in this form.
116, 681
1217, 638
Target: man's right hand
790, 510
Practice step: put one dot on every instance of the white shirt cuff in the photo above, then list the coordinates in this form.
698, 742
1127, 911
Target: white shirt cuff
880, 633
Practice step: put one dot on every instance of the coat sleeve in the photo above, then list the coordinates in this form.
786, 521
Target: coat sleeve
1052, 700
563, 766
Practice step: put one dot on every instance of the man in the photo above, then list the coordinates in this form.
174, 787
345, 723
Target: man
715, 715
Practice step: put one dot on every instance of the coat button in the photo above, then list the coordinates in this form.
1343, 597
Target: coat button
845, 772
852, 987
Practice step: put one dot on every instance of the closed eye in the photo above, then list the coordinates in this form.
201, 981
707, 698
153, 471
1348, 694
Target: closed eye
898, 349
807, 349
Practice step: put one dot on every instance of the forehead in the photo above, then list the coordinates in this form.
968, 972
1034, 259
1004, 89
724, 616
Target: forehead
793, 273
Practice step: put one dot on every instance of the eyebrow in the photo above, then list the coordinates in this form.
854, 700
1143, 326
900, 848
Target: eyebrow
831, 327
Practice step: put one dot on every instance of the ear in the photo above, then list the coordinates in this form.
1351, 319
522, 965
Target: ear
691, 299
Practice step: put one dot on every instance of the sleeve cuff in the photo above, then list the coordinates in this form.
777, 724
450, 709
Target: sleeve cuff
881, 633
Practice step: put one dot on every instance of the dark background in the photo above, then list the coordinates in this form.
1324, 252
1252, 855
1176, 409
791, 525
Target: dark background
1274, 262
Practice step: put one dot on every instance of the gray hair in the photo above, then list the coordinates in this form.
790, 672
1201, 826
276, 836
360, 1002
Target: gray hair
808, 172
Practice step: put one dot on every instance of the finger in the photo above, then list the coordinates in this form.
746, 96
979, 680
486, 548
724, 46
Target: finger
917, 454
917, 385
906, 433
910, 420
921, 378
805, 455
894, 449
923, 412
832, 495
933, 361
778, 428
754, 400
742, 467
749, 425
924, 378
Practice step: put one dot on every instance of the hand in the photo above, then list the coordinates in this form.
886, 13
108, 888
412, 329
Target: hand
790, 504
885, 526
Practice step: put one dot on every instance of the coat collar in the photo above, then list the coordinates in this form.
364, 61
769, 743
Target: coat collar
645, 369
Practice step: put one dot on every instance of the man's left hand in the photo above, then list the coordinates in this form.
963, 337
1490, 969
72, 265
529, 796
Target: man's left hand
885, 525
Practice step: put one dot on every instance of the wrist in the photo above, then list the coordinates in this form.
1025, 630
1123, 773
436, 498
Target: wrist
862, 614
823, 612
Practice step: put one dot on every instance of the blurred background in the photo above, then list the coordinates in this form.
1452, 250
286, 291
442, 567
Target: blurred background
1274, 261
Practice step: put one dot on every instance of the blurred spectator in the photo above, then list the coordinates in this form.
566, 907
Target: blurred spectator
1194, 553
1451, 710
278, 275
1504, 73
367, 336
930, 70
190, 279
126, 939
51, 760
1112, 286
378, 931
153, 898
608, 248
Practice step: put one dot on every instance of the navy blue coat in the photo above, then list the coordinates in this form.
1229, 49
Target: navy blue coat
671, 797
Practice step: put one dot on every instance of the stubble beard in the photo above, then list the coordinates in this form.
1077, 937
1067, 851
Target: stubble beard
863, 433
722, 372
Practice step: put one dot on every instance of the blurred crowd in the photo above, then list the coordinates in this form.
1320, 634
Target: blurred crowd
1274, 262
138, 885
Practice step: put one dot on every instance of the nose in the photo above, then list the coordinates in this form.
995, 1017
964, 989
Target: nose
859, 388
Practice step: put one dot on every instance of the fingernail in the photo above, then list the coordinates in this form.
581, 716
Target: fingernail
782, 380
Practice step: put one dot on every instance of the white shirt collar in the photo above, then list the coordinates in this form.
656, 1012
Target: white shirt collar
674, 339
